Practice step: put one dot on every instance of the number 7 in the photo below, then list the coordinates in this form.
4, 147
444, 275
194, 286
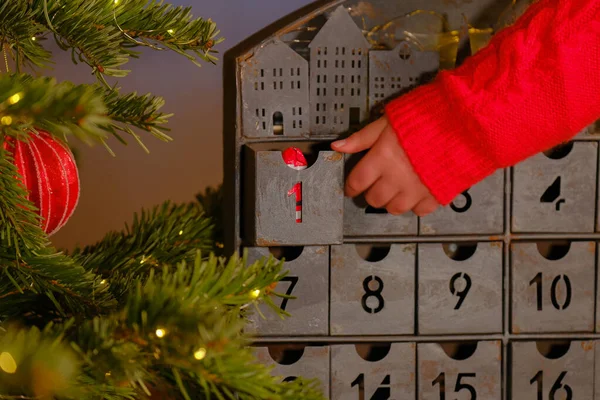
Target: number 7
293, 281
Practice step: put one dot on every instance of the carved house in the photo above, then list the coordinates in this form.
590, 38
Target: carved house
393, 72
275, 92
338, 75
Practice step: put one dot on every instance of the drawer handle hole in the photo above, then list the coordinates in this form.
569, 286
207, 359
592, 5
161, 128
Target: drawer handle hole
459, 251
554, 250
459, 350
286, 354
560, 151
373, 252
288, 253
554, 349
373, 352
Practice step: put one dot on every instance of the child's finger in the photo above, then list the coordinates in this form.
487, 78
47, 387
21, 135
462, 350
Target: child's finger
361, 140
381, 192
363, 175
426, 206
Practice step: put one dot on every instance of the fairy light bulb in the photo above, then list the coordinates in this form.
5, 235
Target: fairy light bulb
8, 363
200, 354
6, 120
171, 31
255, 293
160, 332
15, 98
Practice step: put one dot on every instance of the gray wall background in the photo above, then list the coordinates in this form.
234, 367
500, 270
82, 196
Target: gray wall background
114, 188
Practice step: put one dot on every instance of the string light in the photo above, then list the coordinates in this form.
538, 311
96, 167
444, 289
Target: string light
33, 38
180, 233
255, 293
200, 353
107, 374
6, 120
160, 332
8, 363
15, 98
171, 31
103, 281
117, 2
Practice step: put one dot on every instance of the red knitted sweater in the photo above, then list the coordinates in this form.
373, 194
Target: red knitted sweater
535, 85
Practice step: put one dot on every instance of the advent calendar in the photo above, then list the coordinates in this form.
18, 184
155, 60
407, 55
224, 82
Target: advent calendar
493, 297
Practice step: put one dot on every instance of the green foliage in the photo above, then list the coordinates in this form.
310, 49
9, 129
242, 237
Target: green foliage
148, 312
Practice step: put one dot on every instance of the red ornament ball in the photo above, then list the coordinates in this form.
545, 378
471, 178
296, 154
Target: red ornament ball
50, 175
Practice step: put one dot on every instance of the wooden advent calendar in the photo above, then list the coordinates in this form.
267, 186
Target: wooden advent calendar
493, 297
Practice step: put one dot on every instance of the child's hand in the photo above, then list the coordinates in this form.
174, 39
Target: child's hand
385, 172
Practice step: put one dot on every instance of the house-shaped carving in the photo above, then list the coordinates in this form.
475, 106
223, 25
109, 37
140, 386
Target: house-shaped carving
338, 75
275, 92
393, 72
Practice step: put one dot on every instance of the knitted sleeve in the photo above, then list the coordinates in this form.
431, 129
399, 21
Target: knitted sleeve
535, 85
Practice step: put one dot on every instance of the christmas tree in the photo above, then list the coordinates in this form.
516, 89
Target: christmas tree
154, 311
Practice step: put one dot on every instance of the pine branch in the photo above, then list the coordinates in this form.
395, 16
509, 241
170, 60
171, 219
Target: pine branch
135, 111
101, 33
20, 35
165, 235
19, 224
62, 109
181, 325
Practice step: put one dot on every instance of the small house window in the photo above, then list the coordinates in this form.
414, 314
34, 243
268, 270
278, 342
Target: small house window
264, 112
262, 86
278, 123
300, 124
262, 73
292, 71
293, 110
299, 110
298, 71
343, 51
325, 64
255, 85
298, 85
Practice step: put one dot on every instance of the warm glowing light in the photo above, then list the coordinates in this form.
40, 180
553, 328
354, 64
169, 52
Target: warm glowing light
171, 31
117, 1
8, 363
161, 332
180, 233
255, 293
33, 38
200, 354
103, 281
6, 120
15, 98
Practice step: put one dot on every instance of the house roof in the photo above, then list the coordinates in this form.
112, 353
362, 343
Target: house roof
276, 49
340, 28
